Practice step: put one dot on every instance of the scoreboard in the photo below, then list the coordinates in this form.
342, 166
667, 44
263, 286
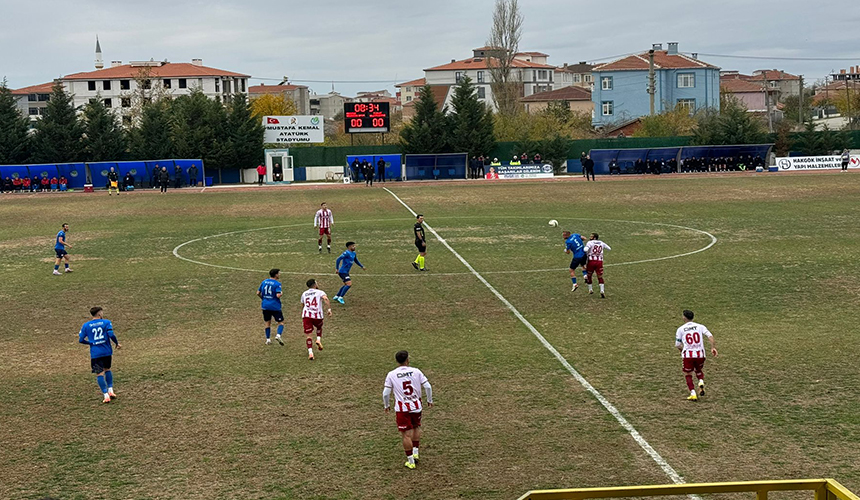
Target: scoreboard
360, 117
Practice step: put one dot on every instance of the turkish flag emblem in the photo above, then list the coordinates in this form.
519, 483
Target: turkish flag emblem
272, 121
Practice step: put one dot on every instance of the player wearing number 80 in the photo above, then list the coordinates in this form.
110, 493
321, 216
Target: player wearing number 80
689, 339
312, 314
98, 334
406, 384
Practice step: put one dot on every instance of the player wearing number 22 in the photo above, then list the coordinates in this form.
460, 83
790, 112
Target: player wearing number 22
595, 249
312, 314
690, 340
98, 334
406, 384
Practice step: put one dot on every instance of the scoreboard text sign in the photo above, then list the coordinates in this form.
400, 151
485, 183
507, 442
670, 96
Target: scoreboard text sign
360, 117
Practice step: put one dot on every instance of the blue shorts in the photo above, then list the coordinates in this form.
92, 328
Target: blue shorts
60, 253
344, 276
579, 261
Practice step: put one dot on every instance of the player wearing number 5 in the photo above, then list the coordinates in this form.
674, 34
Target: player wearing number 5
270, 293
312, 314
98, 334
689, 339
406, 384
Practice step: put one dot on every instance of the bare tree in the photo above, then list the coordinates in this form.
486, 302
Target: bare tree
504, 43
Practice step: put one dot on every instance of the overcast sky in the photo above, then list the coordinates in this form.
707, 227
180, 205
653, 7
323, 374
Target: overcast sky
388, 41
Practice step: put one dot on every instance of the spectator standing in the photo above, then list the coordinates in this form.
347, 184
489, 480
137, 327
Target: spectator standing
163, 179
380, 170
155, 174
479, 173
846, 158
64, 184
368, 173
582, 158
537, 159
177, 177
261, 174
192, 175
473, 169
588, 167
353, 170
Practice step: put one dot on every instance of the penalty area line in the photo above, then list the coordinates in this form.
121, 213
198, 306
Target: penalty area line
649, 450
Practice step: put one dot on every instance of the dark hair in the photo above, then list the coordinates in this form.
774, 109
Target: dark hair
65, 224
401, 356
688, 314
311, 282
95, 310
323, 203
349, 244
595, 236
419, 216
274, 272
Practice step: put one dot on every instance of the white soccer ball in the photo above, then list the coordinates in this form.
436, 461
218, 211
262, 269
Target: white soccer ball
553, 223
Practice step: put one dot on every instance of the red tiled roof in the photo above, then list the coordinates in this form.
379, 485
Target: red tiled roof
662, 60
771, 74
576, 68
534, 54
413, 83
169, 70
44, 88
562, 94
736, 85
481, 63
273, 89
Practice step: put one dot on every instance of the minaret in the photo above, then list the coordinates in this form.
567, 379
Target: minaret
99, 62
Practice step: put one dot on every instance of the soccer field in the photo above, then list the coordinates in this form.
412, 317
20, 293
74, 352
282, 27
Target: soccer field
206, 410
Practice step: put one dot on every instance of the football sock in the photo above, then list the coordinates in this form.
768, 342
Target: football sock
690, 382
280, 330
319, 337
421, 262
414, 446
344, 290
268, 332
102, 385
584, 274
602, 288
340, 292
109, 379
310, 345
573, 279
418, 259
590, 288
67, 265
57, 267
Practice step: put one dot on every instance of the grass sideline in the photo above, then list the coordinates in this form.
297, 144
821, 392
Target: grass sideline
207, 411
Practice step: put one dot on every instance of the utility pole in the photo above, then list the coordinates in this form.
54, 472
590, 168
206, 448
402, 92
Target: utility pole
651, 86
848, 102
800, 112
769, 109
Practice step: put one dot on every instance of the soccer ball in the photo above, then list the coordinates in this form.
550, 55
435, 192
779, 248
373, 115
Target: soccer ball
553, 223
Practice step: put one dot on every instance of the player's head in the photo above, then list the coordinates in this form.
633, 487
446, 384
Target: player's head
595, 236
96, 312
311, 283
420, 217
65, 226
402, 357
111, 169
275, 273
323, 205
688, 314
565, 234
350, 245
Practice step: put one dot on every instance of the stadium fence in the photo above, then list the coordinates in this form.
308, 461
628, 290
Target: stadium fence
437, 166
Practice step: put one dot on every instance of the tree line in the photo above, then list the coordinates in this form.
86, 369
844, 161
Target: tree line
223, 135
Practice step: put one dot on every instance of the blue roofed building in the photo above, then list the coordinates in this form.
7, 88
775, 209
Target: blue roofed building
621, 87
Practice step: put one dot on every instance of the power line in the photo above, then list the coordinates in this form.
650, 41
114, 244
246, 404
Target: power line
776, 58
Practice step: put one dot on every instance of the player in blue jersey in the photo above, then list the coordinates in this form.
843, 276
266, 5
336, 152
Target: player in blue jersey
573, 244
60, 248
343, 265
98, 334
270, 292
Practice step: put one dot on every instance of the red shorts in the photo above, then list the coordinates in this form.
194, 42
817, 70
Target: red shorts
325, 230
594, 266
694, 364
406, 420
310, 323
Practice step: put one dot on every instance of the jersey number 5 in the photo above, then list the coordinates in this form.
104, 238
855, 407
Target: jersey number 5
407, 387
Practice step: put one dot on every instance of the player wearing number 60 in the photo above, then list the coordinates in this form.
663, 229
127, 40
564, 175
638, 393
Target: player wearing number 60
406, 383
689, 339
98, 334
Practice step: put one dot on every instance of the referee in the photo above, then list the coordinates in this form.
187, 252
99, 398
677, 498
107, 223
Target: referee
421, 243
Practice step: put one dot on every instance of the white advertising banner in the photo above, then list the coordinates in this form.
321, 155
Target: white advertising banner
529, 171
300, 128
814, 162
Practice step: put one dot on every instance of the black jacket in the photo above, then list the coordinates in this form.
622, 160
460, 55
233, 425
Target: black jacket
163, 176
588, 164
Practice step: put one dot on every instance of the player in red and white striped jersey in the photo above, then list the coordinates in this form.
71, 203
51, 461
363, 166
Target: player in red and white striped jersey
690, 340
406, 384
325, 221
312, 314
595, 249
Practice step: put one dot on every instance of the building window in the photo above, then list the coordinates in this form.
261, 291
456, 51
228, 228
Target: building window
108, 103
91, 85
606, 83
217, 85
147, 84
482, 93
126, 102
774, 84
458, 76
409, 98
577, 78
480, 77
607, 108
183, 83
542, 74
32, 97
106, 85
686, 80
44, 97
688, 104
124, 84
243, 84
167, 83
589, 78
200, 83
34, 111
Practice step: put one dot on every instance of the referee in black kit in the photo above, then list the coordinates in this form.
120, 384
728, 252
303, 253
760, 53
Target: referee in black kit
421, 243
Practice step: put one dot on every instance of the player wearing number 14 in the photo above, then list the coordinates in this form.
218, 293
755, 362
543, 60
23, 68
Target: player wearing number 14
312, 314
270, 294
406, 384
98, 334
690, 340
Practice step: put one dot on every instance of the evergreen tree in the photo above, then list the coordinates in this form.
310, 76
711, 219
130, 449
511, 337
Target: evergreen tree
470, 122
555, 151
244, 134
427, 132
104, 139
152, 140
14, 129
733, 124
191, 126
58, 133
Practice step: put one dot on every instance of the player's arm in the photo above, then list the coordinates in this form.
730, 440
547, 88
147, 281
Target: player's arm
606, 247
429, 391
259, 293
713, 343
327, 304
64, 242
338, 261
316, 219
112, 336
358, 263
678, 344
82, 337
386, 398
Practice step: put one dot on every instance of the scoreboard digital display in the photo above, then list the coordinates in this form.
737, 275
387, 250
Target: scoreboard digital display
360, 117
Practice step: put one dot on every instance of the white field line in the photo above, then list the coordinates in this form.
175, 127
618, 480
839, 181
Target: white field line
667, 469
412, 275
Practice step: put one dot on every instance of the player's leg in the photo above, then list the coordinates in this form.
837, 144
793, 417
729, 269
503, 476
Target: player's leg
573, 277
328, 239
421, 256
109, 383
407, 446
97, 365
57, 264
319, 326
319, 240
601, 282
588, 278
267, 320
347, 284
700, 375
416, 439
688, 376
279, 317
67, 262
